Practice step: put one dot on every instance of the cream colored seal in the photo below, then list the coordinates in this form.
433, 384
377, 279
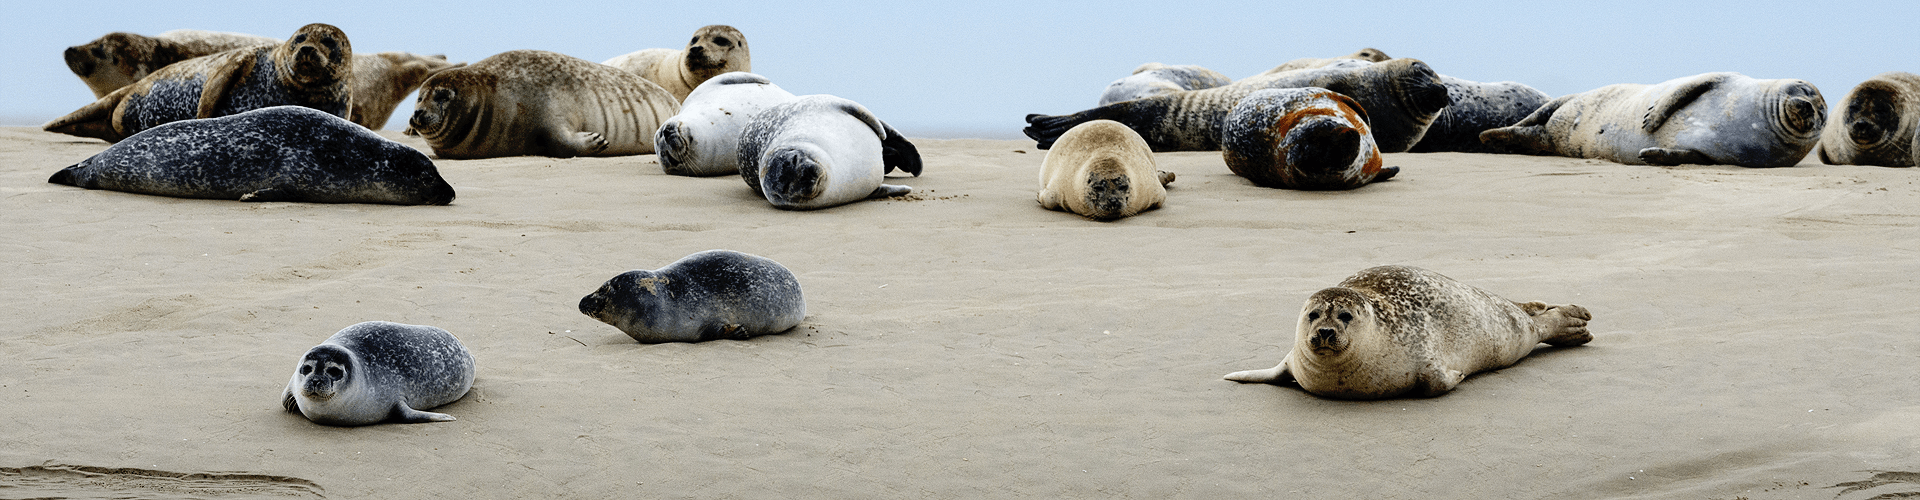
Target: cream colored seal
538, 103
382, 80
1366, 54
1102, 170
1712, 118
118, 59
713, 50
1878, 123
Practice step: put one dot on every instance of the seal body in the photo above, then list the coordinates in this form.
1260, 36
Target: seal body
1102, 170
716, 294
714, 50
1878, 123
817, 151
382, 80
538, 103
1401, 98
1153, 79
1366, 54
704, 139
1394, 331
282, 153
377, 372
313, 68
1306, 138
1478, 107
1713, 118
118, 59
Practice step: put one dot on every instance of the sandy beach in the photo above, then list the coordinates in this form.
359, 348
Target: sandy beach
1752, 337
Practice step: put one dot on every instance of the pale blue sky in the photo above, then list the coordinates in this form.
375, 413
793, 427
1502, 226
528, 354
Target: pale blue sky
974, 69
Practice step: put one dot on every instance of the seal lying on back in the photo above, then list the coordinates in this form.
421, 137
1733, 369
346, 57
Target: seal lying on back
118, 59
538, 103
1878, 123
820, 151
714, 50
716, 294
1478, 107
1102, 170
1401, 96
313, 68
377, 372
1152, 79
1306, 138
1394, 331
381, 81
704, 139
1713, 118
1366, 54
282, 153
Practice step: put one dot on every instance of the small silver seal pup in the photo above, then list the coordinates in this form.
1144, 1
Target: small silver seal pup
714, 50
538, 103
282, 153
716, 294
821, 151
118, 59
1478, 107
1306, 138
1878, 123
377, 372
1152, 79
1712, 118
1102, 170
1394, 331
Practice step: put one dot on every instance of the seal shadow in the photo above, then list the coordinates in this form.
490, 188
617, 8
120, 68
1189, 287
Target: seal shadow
1883, 478
51, 480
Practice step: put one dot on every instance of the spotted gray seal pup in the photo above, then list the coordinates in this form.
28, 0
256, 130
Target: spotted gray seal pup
1712, 118
821, 151
118, 59
382, 80
716, 294
379, 371
1367, 54
313, 68
1102, 170
1478, 107
1394, 331
1877, 123
714, 50
1401, 96
1306, 138
539, 103
282, 153
1153, 79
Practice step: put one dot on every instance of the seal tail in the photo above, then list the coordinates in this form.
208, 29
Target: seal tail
1109, 190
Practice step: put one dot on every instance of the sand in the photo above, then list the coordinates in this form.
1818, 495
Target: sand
1753, 335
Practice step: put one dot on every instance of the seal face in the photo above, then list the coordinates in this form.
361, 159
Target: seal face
1712, 118
282, 153
377, 372
538, 103
1153, 79
1875, 124
381, 81
713, 51
1478, 107
1306, 138
821, 151
1395, 331
1102, 170
716, 294
704, 139
118, 59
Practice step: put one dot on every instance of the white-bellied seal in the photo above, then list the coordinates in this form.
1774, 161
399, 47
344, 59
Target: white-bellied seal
704, 139
714, 50
382, 80
1401, 96
1712, 118
1102, 170
716, 294
282, 153
1478, 107
379, 371
1306, 138
1152, 79
1393, 331
821, 151
1878, 123
118, 59
313, 68
538, 103
1367, 54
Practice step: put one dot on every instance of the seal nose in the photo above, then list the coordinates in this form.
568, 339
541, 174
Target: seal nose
77, 61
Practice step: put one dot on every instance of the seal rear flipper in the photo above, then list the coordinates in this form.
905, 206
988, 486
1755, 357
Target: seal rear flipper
67, 176
897, 153
1044, 129
405, 415
1663, 108
1386, 173
1166, 177
888, 190
1529, 139
1668, 157
1277, 375
95, 120
276, 193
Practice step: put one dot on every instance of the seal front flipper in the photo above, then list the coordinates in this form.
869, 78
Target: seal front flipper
889, 190
404, 414
1661, 109
94, 120
222, 78
897, 153
1668, 157
287, 401
571, 144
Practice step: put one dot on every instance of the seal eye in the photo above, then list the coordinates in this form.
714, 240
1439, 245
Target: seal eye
300, 38
99, 53
721, 42
443, 95
335, 372
1344, 317
696, 39
306, 369
1313, 315
328, 41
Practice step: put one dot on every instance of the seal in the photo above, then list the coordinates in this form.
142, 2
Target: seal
381, 81
313, 68
716, 294
1367, 54
1877, 123
1712, 118
1478, 107
282, 153
820, 151
118, 59
1395, 331
538, 103
379, 371
704, 139
1401, 96
1152, 79
1102, 170
714, 50
1306, 138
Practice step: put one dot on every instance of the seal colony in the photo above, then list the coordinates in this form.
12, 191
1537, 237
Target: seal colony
539, 103
379, 371
711, 295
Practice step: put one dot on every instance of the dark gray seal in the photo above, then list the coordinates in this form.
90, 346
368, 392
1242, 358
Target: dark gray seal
1478, 107
1877, 123
716, 294
1306, 138
377, 372
1706, 119
282, 153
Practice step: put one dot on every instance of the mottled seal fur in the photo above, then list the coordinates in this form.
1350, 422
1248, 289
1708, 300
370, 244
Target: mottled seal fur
377, 372
1367, 54
282, 153
1102, 170
118, 59
382, 80
1306, 138
1712, 118
716, 294
313, 68
821, 151
1152, 79
1401, 96
714, 50
1395, 331
1877, 123
538, 103
1478, 107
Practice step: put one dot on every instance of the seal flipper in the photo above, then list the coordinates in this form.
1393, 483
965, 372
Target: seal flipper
566, 144
888, 190
1661, 109
67, 176
897, 153
1385, 173
287, 401
94, 120
1667, 157
276, 193
1045, 129
403, 414
223, 77
1435, 381
1276, 375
